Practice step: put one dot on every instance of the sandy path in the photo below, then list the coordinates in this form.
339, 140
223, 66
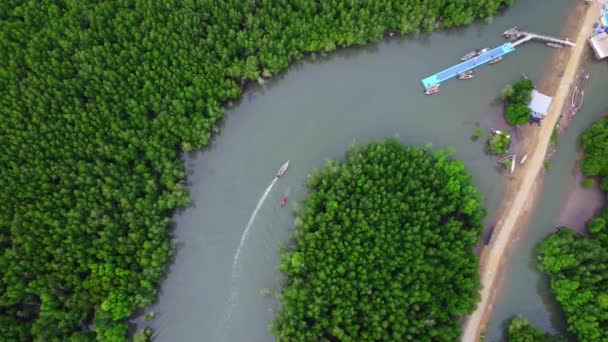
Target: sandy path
518, 200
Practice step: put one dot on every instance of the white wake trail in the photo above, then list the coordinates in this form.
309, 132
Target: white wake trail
235, 262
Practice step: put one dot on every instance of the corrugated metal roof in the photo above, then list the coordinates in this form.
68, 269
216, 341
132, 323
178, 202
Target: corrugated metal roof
540, 103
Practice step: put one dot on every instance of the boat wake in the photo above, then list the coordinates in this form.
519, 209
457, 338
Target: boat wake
236, 270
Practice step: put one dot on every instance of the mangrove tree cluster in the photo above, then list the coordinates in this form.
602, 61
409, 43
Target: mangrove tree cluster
98, 99
517, 99
578, 265
520, 330
383, 249
498, 143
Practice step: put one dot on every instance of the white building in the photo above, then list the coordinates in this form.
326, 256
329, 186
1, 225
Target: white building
539, 105
599, 44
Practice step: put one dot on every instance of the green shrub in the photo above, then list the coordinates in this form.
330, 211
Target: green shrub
517, 114
498, 143
520, 330
478, 133
518, 98
588, 183
506, 92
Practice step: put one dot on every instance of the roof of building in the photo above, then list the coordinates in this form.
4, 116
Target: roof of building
599, 43
540, 103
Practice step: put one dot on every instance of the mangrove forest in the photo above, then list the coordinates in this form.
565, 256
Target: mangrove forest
383, 249
99, 98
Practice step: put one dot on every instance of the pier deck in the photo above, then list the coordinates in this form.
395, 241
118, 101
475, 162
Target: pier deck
521, 37
467, 65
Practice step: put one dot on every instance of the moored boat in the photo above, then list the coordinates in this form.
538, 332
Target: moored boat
283, 169
432, 90
495, 60
469, 55
466, 75
482, 51
553, 45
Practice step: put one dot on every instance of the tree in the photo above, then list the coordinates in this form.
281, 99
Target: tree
517, 98
383, 249
517, 114
576, 264
98, 100
498, 143
506, 92
520, 330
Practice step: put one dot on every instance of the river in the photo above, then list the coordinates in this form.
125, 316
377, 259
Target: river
311, 112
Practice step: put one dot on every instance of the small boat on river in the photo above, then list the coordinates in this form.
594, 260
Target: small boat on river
434, 89
283, 169
495, 60
482, 51
285, 197
556, 46
467, 75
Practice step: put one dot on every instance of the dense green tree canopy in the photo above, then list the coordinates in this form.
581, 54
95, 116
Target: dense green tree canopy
99, 97
578, 265
520, 330
383, 249
518, 98
595, 143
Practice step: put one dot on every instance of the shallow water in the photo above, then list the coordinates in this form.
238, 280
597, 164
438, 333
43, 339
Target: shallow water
312, 112
526, 291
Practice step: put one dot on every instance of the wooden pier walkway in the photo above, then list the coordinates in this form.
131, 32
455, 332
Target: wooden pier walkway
519, 37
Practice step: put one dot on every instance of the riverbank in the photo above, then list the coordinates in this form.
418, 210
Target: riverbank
581, 203
522, 189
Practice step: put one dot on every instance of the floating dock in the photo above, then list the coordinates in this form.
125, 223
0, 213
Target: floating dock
468, 65
516, 36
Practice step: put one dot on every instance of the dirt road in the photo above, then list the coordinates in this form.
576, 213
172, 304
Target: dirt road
517, 200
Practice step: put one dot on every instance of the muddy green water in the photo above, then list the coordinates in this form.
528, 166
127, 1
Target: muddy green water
312, 112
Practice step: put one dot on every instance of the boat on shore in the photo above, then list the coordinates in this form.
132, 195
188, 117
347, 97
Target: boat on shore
467, 75
434, 89
495, 60
523, 160
283, 169
554, 45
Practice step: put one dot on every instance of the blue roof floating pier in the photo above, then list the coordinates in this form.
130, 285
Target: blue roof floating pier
467, 65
